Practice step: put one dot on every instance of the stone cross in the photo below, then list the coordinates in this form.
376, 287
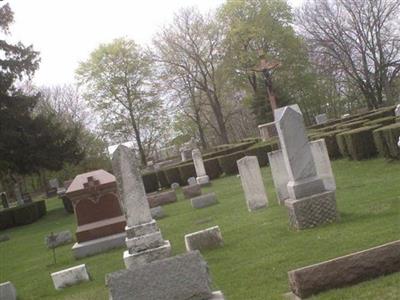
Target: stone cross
297, 155
130, 186
252, 183
202, 177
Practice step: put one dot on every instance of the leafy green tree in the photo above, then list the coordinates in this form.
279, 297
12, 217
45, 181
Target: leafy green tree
117, 82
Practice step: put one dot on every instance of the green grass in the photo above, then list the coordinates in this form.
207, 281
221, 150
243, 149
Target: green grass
259, 247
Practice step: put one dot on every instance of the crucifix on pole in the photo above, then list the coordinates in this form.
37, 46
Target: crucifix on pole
266, 67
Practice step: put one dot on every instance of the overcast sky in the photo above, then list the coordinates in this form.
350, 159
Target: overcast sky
65, 32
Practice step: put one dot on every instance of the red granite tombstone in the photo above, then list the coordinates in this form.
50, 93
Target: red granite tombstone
97, 209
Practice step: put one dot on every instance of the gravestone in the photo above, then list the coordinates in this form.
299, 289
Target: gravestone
157, 212
280, 176
202, 177
98, 213
157, 199
8, 291
143, 237
209, 238
397, 110
204, 200
252, 183
191, 181
70, 276
267, 131
57, 239
309, 203
191, 191
18, 194
182, 277
175, 186
4, 200
321, 119
346, 270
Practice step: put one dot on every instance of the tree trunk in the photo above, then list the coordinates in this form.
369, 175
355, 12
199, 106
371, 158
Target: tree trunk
142, 154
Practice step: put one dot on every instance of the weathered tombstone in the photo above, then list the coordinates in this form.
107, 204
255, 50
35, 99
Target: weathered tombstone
346, 270
204, 200
280, 176
18, 194
157, 199
202, 177
157, 212
143, 237
191, 181
321, 119
58, 239
4, 200
181, 277
8, 291
175, 186
252, 183
397, 110
191, 191
309, 204
70, 276
98, 213
209, 238
185, 153
267, 131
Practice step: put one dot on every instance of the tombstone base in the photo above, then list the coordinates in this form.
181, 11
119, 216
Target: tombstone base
305, 188
217, 296
142, 229
97, 246
312, 211
143, 242
139, 258
203, 180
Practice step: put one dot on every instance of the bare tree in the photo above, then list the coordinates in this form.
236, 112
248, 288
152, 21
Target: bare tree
361, 38
192, 46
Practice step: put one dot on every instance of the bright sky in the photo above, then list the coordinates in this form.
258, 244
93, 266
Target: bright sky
66, 31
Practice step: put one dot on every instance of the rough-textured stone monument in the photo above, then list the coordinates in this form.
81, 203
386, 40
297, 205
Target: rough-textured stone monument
252, 183
8, 291
397, 110
98, 213
209, 238
182, 277
143, 237
55, 240
267, 131
202, 177
70, 276
309, 203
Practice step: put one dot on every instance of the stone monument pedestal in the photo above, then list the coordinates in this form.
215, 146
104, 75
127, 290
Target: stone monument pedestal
313, 210
203, 180
132, 260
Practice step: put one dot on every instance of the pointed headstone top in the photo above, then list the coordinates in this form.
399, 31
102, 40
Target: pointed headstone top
279, 111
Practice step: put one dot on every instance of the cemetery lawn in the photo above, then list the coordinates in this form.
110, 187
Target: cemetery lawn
259, 247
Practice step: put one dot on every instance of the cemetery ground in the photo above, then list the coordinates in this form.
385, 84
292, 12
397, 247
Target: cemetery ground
259, 248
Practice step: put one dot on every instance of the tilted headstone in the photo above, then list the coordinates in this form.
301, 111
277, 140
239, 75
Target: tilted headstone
144, 240
252, 183
57, 239
70, 276
397, 110
309, 203
202, 177
7, 291
209, 238
181, 277
321, 119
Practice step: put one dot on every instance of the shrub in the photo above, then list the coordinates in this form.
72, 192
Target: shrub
382, 121
213, 169
381, 113
150, 182
232, 149
172, 174
162, 179
22, 215
351, 125
330, 141
360, 142
261, 151
186, 171
386, 139
228, 162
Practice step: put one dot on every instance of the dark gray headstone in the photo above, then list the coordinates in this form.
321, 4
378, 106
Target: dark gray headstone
57, 239
183, 277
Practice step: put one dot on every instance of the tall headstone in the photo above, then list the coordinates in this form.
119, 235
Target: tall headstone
202, 177
309, 203
143, 237
252, 183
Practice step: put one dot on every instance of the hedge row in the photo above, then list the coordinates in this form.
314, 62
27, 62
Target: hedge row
381, 121
22, 215
386, 139
330, 141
